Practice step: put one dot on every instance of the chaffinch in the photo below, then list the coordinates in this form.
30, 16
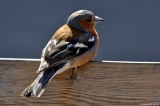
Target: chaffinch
72, 45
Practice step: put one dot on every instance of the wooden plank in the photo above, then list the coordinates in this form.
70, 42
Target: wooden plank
98, 83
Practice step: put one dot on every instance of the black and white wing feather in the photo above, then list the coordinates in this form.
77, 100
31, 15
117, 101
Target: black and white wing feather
57, 52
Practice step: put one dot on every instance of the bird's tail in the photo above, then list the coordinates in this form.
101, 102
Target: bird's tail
37, 88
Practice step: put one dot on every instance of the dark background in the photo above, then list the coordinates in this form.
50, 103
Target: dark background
131, 32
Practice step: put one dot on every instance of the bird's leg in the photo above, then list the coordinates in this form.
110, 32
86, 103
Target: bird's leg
73, 75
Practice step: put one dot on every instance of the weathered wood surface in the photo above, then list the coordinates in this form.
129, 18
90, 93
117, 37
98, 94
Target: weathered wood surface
97, 84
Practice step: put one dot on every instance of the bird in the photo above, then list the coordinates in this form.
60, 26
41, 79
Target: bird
72, 45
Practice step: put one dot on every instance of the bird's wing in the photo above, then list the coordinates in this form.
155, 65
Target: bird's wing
57, 52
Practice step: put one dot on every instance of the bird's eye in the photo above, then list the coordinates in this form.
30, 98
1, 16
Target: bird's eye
89, 20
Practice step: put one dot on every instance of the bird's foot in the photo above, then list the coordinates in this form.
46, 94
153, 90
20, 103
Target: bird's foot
73, 75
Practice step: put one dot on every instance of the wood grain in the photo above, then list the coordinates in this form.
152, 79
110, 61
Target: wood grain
97, 84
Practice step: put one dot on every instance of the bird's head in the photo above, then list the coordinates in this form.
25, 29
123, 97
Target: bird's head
84, 20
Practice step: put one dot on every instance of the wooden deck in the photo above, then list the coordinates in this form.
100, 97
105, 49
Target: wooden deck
97, 84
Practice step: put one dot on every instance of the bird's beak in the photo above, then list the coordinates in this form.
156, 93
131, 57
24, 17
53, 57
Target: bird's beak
98, 19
